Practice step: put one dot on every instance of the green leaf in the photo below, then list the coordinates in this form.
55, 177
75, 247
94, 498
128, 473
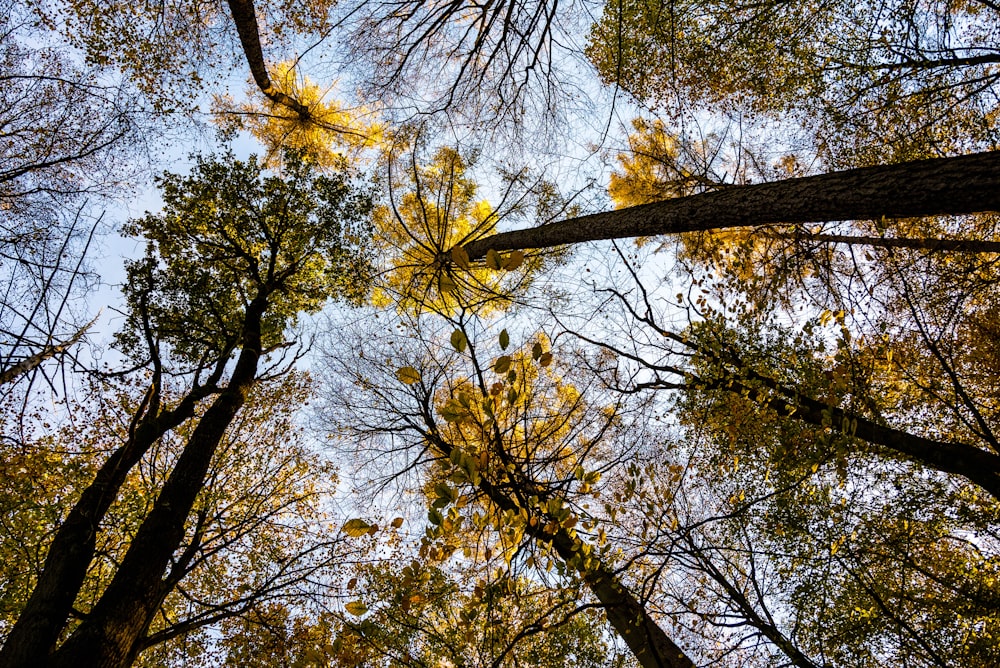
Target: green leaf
458, 340
408, 375
504, 340
502, 364
452, 411
536, 351
435, 517
446, 491
356, 528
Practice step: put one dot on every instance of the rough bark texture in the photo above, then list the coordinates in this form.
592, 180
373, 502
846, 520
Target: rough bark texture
111, 635
245, 18
72, 549
941, 186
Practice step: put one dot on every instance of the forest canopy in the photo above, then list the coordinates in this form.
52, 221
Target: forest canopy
654, 333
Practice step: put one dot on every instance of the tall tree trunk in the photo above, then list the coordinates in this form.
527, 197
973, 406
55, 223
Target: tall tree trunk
936, 187
72, 548
650, 645
31, 362
974, 464
245, 17
110, 636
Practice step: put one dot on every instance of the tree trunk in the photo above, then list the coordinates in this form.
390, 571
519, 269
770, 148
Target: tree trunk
245, 18
975, 465
15, 371
936, 187
72, 549
110, 636
650, 645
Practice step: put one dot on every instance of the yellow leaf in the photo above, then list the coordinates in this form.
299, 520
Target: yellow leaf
514, 260
356, 608
493, 259
398, 522
545, 359
356, 528
460, 257
408, 375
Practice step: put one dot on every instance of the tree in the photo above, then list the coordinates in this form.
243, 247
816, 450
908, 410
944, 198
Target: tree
879, 81
775, 490
514, 435
326, 132
502, 66
936, 187
232, 261
425, 615
433, 207
258, 532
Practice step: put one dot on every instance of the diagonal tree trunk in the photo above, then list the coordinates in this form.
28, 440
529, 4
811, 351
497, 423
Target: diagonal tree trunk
48, 352
245, 17
650, 645
936, 187
72, 549
111, 635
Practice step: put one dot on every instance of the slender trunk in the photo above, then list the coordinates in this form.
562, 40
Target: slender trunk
975, 465
111, 635
936, 187
766, 626
926, 244
245, 18
650, 645
48, 352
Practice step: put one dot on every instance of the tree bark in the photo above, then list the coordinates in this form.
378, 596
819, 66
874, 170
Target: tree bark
48, 352
245, 17
111, 634
72, 549
936, 187
974, 464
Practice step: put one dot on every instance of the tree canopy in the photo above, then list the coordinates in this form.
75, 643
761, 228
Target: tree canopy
466, 370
